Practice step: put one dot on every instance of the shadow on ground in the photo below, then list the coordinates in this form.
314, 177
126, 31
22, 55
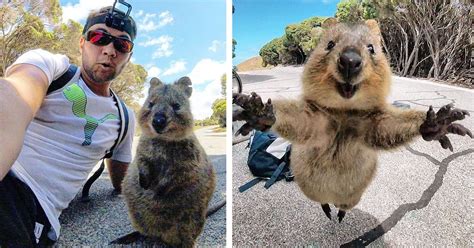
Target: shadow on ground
246, 78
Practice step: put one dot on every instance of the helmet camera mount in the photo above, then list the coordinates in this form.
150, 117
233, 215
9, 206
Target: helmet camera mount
116, 21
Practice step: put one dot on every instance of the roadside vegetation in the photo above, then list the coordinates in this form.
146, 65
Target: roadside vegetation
422, 38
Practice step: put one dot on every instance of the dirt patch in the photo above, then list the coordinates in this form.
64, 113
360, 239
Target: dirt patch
252, 64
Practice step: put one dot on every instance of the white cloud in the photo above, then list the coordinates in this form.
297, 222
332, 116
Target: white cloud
164, 49
165, 19
154, 71
215, 45
147, 22
175, 67
164, 39
139, 14
164, 46
201, 101
207, 70
79, 11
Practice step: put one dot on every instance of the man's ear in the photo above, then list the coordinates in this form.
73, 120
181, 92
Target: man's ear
81, 43
131, 54
154, 83
185, 83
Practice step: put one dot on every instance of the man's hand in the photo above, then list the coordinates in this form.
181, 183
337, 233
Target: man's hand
117, 171
252, 110
437, 125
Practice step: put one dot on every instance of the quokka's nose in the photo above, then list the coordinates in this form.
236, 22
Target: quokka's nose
159, 122
350, 63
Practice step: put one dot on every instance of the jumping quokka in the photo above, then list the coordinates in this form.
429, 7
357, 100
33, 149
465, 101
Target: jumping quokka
341, 120
170, 182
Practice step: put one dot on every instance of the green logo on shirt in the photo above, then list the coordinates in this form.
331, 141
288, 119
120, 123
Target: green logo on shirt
77, 96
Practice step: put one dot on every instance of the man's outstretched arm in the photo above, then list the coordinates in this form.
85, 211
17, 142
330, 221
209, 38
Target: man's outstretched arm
21, 94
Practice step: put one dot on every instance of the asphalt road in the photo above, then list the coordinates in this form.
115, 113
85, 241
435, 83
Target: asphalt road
104, 218
422, 195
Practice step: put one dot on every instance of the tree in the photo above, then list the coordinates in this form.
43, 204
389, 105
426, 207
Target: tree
21, 31
219, 111
234, 43
67, 37
428, 38
356, 10
270, 52
223, 85
295, 46
129, 84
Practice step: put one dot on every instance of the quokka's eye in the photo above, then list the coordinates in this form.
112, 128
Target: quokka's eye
150, 104
175, 106
331, 45
371, 49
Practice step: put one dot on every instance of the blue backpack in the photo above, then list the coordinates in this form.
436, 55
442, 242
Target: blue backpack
269, 159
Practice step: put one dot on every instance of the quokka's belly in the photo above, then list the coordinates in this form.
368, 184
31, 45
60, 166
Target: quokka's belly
338, 179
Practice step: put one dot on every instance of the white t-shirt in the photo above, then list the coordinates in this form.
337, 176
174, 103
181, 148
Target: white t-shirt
71, 132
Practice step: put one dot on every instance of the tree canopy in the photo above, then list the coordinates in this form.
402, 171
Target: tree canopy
422, 38
295, 45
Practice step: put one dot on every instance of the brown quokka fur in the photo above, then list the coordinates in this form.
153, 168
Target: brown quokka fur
169, 184
342, 120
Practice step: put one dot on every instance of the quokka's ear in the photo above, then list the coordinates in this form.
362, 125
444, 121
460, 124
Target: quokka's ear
374, 27
329, 22
185, 83
154, 82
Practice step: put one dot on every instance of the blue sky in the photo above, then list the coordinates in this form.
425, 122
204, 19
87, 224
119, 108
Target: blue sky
256, 22
175, 38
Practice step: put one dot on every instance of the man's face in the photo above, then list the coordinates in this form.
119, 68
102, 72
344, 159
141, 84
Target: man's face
103, 63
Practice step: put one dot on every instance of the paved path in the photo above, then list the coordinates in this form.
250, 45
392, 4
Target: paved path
105, 218
421, 195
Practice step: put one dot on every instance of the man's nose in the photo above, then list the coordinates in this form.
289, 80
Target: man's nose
109, 50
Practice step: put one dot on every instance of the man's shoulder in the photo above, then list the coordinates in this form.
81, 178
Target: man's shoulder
43, 53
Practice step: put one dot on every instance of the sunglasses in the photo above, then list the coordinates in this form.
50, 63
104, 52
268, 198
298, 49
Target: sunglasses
101, 38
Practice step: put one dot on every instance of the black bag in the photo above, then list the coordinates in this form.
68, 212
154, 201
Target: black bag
269, 159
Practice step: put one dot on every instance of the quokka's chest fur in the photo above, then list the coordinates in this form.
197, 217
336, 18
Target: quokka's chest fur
336, 161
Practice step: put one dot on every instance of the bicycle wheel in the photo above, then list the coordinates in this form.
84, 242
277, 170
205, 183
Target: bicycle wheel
236, 83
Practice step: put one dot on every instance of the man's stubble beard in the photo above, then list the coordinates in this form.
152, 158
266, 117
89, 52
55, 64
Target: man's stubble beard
91, 73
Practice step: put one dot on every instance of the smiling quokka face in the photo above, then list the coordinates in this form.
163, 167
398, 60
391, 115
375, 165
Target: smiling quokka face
348, 69
166, 113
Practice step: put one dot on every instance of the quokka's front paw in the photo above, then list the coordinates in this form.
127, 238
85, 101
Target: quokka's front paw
258, 115
437, 125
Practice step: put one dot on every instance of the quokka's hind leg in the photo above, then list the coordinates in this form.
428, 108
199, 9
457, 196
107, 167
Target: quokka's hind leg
326, 209
139, 239
342, 211
340, 215
129, 238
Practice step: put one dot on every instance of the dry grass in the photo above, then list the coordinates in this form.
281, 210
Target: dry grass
252, 64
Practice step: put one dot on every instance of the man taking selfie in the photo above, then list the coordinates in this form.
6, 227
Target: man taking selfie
52, 135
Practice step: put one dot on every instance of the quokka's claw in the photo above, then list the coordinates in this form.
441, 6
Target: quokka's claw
327, 210
340, 215
445, 143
